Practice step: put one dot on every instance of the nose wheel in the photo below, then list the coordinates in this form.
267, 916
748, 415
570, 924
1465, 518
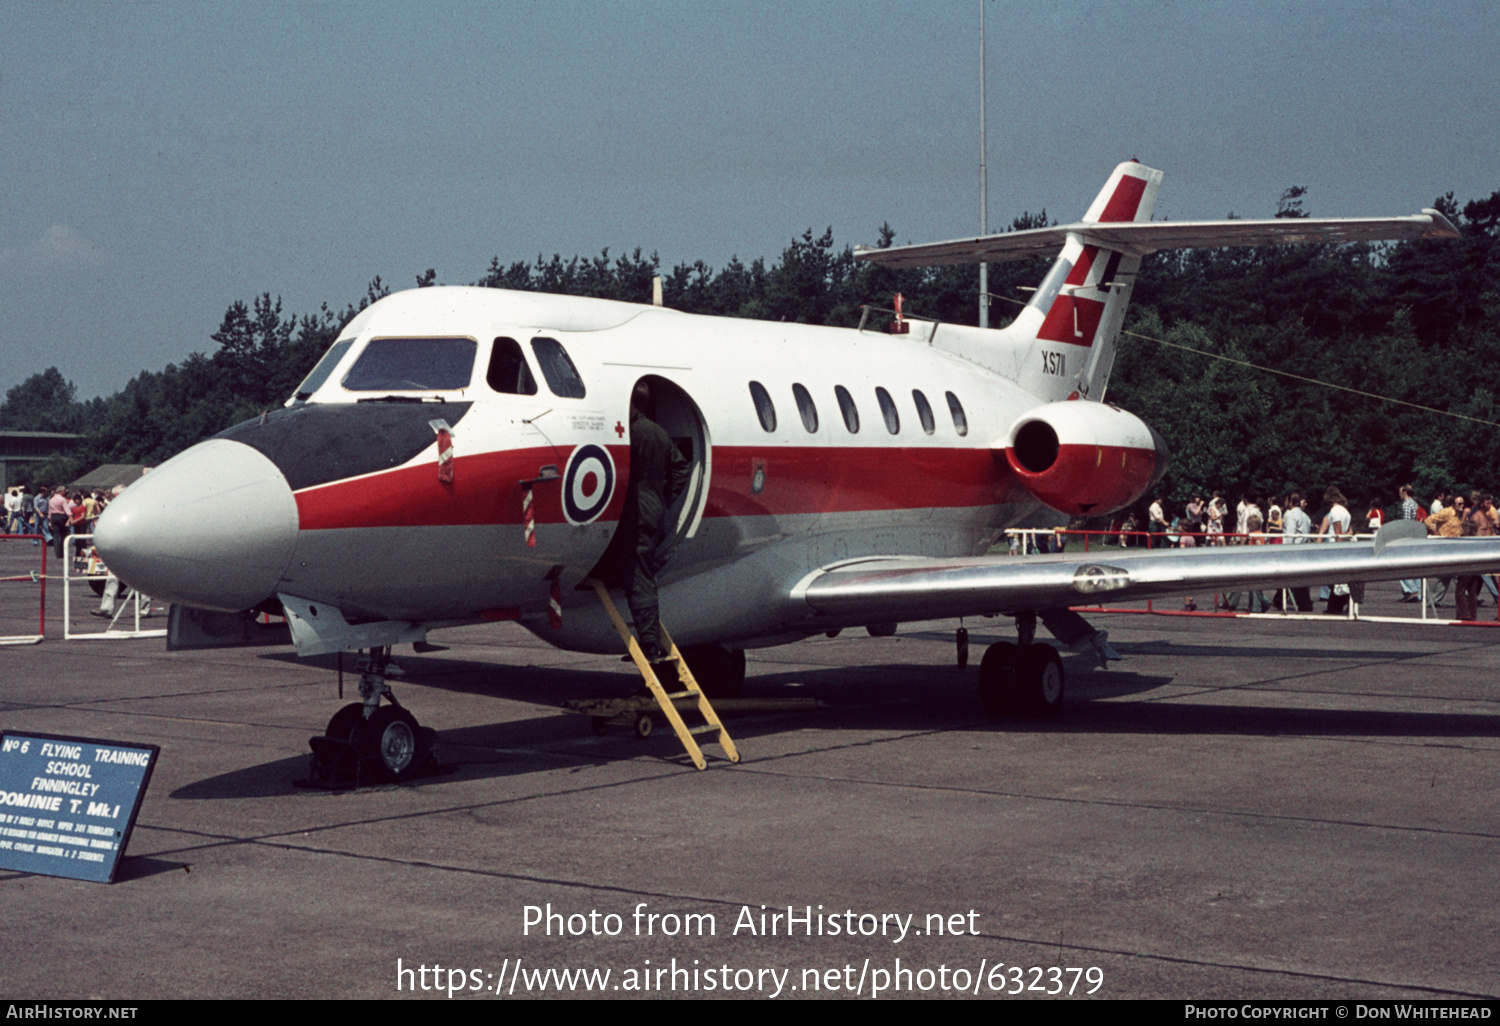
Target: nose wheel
389, 740
367, 742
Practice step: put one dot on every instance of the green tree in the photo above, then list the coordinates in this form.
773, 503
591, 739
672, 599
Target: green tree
43, 402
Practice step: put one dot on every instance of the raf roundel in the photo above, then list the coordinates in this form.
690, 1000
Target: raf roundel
588, 483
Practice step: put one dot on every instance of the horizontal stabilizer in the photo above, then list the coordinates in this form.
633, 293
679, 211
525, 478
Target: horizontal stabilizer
1142, 237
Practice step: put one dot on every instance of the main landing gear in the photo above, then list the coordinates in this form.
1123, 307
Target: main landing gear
367, 742
1024, 678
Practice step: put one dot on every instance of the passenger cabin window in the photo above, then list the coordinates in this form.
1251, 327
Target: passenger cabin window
314, 381
508, 371
413, 365
924, 411
562, 377
806, 408
960, 422
888, 411
764, 408
847, 407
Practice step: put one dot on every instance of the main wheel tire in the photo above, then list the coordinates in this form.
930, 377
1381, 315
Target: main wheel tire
1041, 680
344, 722
389, 737
719, 671
997, 678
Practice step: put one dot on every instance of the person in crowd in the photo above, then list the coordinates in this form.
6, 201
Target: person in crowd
1447, 522
59, 512
1258, 603
1467, 587
12, 509
78, 524
1486, 525
1411, 588
1156, 517
1218, 509
1298, 531
1336, 526
40, 507
1251, 509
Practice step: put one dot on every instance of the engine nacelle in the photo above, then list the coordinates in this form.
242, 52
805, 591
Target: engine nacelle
1084, 458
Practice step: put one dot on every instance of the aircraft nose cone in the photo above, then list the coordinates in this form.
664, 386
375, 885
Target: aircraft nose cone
213, 527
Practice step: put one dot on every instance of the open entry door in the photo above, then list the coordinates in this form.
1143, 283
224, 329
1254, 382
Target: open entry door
676, 413
683, 422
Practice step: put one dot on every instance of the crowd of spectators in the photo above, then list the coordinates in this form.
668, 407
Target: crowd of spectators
1289, 520
52, 513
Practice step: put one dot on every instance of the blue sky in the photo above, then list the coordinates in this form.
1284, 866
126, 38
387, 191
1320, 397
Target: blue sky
161, 160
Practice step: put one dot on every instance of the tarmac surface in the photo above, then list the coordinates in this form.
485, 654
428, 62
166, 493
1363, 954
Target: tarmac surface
1241, 808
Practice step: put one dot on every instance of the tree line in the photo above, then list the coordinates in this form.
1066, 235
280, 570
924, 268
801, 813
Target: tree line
1414, 322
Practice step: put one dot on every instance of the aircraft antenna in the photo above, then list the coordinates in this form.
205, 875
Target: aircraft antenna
984, 185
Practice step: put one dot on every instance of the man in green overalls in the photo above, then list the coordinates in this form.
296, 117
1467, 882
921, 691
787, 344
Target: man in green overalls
658, 475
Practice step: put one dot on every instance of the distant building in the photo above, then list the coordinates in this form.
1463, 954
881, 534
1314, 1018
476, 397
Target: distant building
105, 476
19, 450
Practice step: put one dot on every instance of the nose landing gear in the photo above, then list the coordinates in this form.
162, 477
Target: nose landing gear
366, 742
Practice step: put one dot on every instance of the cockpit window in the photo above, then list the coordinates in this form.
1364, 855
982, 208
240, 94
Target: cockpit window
508, 372
562, 377
413, 365
314, 381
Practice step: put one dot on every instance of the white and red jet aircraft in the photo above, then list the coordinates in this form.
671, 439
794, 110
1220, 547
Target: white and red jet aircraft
461, 455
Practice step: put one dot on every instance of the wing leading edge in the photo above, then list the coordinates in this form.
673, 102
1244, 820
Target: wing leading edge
902, 588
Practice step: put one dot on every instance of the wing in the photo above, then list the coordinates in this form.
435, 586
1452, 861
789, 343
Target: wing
900, 588
1145, 237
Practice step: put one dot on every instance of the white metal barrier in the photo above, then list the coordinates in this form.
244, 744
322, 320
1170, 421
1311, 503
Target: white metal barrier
94, 570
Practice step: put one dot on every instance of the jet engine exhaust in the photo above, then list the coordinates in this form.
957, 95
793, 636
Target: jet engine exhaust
1085, 458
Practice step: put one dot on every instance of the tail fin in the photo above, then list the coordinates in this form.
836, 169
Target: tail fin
1065, 337
1063, 343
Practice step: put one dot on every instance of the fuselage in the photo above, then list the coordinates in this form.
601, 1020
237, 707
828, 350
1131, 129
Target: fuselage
463, 454
810, 446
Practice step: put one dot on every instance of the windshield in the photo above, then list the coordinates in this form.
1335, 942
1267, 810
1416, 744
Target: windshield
314, 381
413, 364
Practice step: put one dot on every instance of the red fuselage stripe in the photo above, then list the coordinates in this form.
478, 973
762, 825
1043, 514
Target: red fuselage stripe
487, 487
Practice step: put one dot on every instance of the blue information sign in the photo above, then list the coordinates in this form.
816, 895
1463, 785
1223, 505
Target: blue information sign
68, 804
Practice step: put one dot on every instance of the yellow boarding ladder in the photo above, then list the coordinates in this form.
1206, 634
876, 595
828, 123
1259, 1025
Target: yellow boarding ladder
667, 701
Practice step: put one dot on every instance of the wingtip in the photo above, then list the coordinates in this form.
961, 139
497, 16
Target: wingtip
1441, 226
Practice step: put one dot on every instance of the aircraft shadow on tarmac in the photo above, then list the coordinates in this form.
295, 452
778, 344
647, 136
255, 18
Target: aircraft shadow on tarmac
884, 697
